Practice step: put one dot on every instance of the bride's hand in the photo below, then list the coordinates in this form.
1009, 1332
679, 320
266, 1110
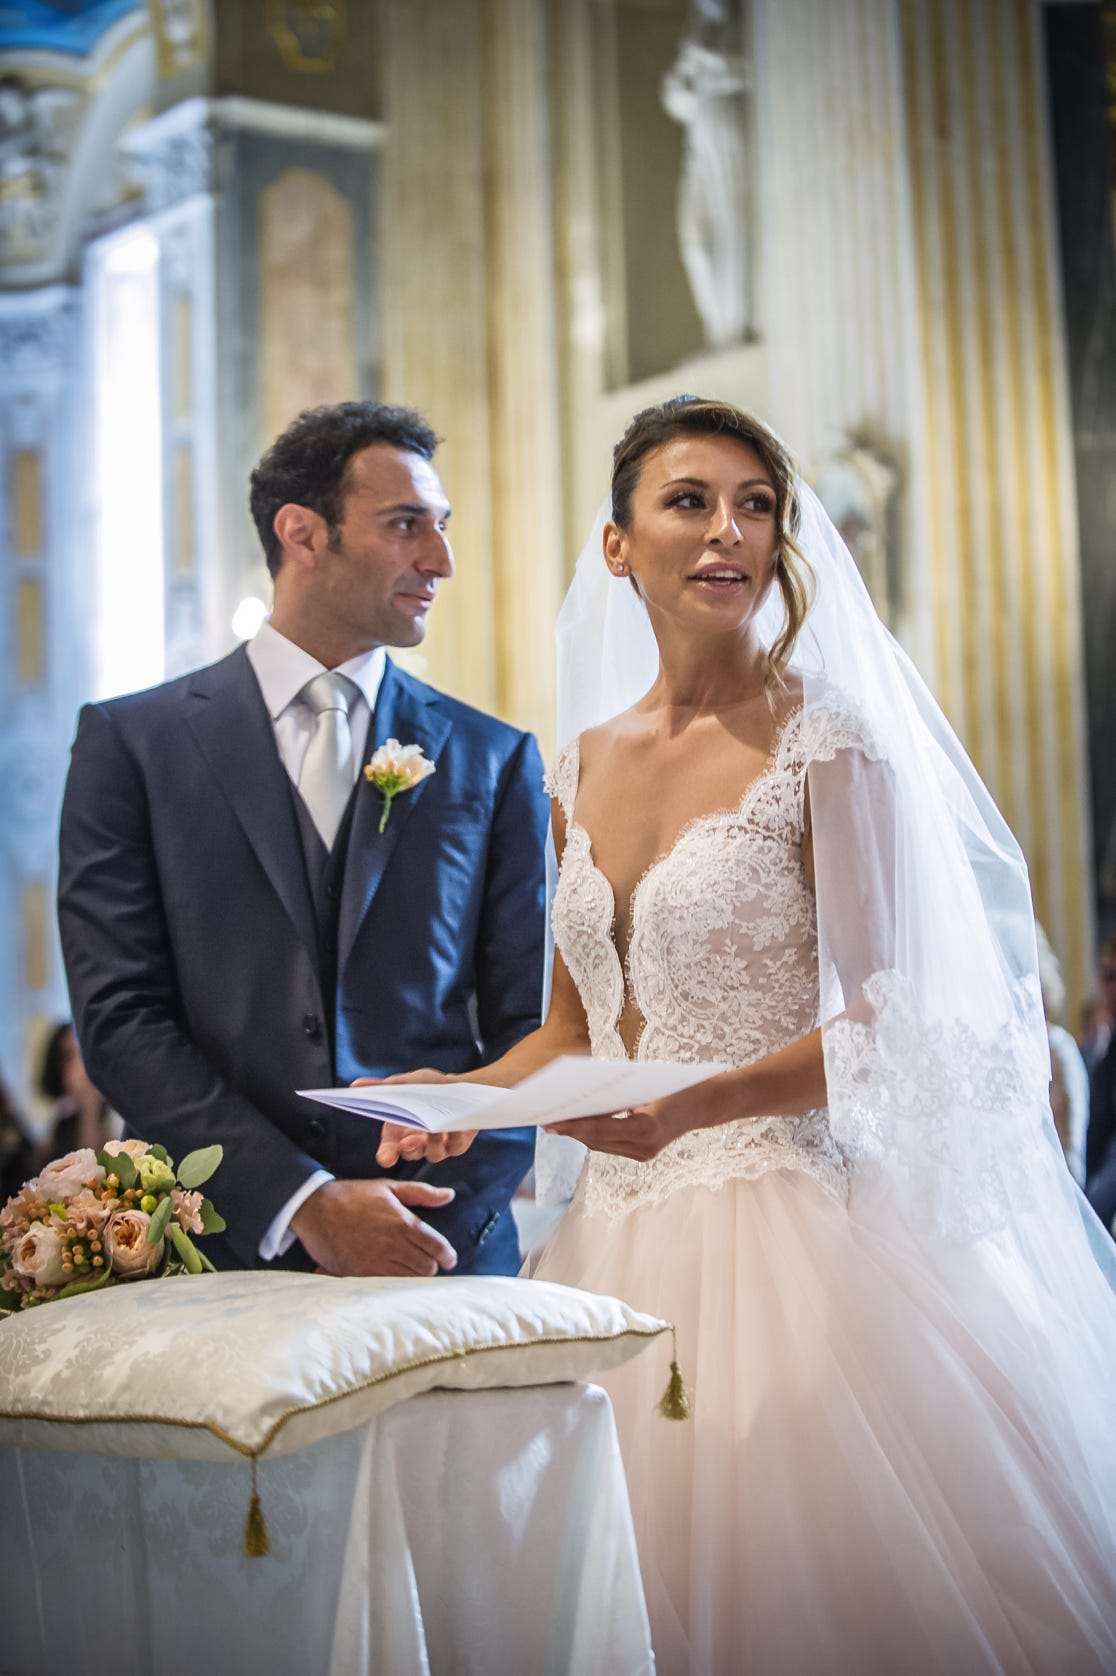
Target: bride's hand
640, 1133
399, 1140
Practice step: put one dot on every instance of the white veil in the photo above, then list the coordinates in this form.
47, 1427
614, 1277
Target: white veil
935, 1043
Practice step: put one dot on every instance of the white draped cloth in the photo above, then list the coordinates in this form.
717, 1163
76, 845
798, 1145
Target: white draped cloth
477, 1533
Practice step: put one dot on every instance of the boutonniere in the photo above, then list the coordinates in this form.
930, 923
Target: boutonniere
395, 768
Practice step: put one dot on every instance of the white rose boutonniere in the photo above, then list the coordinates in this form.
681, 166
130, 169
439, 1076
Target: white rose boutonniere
395, 768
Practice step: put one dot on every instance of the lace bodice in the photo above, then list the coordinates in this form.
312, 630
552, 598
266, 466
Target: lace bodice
722, 964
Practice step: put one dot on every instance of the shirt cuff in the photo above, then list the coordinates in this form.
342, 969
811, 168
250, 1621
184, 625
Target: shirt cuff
279, 1238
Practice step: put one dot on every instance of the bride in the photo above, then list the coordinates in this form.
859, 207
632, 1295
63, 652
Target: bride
900, 1344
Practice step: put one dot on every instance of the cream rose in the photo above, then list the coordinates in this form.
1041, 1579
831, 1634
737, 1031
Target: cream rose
127, 1246
187, 1210
134, 1149
38, 1255
395, 768
66, 1176
87, 1213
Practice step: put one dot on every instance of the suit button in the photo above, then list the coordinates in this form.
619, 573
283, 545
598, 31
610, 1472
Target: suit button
312, 1026
486, 1227
332, 892
315, 1130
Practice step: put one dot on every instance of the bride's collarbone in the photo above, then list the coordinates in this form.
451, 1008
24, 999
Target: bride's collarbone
636, 798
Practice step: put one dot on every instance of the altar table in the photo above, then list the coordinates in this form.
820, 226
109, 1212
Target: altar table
459, 1533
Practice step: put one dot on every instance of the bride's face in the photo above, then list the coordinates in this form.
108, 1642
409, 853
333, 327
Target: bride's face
702, 537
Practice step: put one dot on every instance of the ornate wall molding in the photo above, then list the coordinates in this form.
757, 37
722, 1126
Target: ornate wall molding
172, 157
36, 330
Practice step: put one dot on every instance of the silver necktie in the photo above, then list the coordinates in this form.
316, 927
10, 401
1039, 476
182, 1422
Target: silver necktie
326, 779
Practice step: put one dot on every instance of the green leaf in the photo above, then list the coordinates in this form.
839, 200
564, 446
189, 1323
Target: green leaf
160, 1216
187, 1250
120, 1166
160, 1152
206, 1264
58, 1209
76, 1286
9, 1300
198, 1166
211, 1219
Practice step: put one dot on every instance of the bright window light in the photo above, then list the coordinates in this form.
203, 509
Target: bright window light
248, 616
128, 627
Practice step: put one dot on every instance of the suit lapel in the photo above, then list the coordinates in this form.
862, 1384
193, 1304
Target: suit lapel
229, 720
405, 712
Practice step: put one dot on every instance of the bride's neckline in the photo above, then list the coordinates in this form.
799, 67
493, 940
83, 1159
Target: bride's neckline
728, 812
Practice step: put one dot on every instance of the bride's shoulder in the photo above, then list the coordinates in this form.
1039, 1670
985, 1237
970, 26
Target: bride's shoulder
581, 752
560, 779
825, 719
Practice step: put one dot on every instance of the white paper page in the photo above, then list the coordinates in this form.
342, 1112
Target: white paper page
569, 1087
436, 1106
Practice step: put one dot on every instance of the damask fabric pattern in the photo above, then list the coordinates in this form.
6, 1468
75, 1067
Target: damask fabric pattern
722, 964
391, 1549
257, 1364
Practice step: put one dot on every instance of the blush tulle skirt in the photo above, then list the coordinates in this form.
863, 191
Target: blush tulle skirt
884, 1472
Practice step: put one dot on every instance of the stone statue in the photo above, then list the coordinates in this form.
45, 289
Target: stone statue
703, 90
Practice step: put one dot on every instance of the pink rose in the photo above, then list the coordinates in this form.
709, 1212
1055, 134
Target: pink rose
187, 1210
38, 1255
87, 1212
66, 1176
134, 1149
127, 1245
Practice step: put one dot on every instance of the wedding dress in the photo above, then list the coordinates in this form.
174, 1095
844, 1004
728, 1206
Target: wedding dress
883, 1472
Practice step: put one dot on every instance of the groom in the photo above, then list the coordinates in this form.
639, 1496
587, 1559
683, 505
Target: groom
237, 919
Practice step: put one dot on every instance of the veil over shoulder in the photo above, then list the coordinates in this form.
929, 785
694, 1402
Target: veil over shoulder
901, 1453
936, 1054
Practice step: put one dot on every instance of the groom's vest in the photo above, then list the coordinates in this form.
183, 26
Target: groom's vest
325, 875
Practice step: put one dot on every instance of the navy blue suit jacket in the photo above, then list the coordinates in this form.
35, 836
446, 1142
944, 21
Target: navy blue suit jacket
190, 940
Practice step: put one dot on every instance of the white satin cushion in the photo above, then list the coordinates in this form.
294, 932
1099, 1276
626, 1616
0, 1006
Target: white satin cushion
257, 1363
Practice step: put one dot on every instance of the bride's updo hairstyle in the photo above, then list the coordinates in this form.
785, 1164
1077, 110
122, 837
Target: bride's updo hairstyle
693, 416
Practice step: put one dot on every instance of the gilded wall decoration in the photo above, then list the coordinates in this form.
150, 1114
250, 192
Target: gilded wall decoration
308, 33
30, 632
181, 30
26, 506
36, 126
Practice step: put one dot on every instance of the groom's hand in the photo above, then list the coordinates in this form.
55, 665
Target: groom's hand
366, 1227
399, 1140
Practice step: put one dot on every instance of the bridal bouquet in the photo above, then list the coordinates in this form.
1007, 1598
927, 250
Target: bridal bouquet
91, 1219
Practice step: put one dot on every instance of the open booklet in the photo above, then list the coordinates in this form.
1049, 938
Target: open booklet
567, 1088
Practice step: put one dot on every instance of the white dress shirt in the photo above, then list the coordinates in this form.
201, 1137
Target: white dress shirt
282, 670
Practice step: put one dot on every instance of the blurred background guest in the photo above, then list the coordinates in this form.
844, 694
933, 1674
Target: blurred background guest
16, 1152
82, 1116
1099, 1014
1069, 1079
1100, 1156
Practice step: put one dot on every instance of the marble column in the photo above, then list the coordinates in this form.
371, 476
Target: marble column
42, 652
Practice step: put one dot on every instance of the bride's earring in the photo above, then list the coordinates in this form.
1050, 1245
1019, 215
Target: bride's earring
620, 570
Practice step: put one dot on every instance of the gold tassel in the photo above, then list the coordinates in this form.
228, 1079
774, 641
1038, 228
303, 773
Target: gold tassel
256, 1544
675, 1403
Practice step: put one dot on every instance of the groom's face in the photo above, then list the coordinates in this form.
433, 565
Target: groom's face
387, 555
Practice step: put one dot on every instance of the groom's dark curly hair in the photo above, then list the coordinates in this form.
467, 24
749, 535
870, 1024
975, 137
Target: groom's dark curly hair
308, 465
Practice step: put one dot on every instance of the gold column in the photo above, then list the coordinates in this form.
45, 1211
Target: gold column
994, 453
467, 322
523, 376
433, 313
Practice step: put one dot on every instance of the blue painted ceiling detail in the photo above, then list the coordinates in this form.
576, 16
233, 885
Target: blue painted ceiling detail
73, 26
